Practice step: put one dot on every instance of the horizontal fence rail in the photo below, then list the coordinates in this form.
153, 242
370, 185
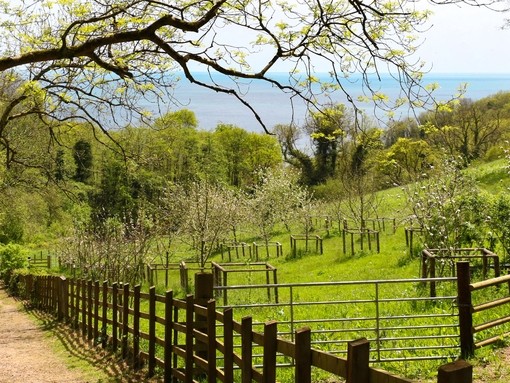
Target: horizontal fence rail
413, 326
483, 317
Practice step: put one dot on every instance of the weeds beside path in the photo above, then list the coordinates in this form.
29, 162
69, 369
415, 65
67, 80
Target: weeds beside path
40, 350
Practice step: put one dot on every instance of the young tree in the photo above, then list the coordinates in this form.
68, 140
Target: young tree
206, 214
407, 160
357, 170
277, 199
443, 205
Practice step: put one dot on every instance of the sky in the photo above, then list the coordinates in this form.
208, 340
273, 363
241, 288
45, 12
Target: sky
466, 40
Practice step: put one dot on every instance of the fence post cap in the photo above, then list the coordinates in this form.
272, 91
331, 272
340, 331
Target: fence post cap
455, 366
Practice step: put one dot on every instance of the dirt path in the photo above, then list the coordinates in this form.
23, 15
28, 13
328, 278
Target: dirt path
39, 349
25, 353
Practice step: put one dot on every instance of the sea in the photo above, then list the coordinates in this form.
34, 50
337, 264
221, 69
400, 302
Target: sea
275, 107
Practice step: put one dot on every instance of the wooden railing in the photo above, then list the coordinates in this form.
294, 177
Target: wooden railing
467, 310
189, 339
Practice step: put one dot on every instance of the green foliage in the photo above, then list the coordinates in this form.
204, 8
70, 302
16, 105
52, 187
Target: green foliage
12, 257
82, 154
499, 220
11, 227
447, 208
407, 160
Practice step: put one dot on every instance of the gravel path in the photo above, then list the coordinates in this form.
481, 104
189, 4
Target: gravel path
25, 353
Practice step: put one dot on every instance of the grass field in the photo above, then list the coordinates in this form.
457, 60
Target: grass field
394, 261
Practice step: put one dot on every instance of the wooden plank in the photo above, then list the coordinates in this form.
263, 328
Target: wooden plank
246, 349
136, 327
104, 316
303, 370
83, 307
115, 323
96, 312
269, 363
493, 323
168, 337
380, 376
152, 331
188, 362
89, 310
211, 341
329, 363
228, 345
490, 282
491, 304
358, 354
72, 300
125, 320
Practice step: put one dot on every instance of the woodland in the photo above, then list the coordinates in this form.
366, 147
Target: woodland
85, 169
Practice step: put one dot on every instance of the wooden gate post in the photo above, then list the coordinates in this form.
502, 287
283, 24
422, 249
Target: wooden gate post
358, 353
467, 346
459, 371
203, 294
303, 369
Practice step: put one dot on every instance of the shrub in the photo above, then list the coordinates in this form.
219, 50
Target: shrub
14, 285
12, 257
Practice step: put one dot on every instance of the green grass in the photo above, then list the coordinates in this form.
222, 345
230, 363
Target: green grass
394, 261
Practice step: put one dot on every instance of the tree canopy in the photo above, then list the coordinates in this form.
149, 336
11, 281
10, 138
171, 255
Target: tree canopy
87, 58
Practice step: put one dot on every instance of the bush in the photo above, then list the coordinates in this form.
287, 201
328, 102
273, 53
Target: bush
11, 229
12, 257
14, 285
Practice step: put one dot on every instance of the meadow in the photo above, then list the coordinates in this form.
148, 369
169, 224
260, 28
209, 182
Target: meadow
344, 296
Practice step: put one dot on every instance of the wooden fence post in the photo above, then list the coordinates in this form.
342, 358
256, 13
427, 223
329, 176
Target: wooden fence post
246, 349
358, 352
62, 298
211, 341
77, 301
152, 331
303, 371
203, 294
189, 357
104, 315
459, 371
269, 363
467, 347
115, 324
228, 342
90, 325
136, 328
83, 307
125, 320
168, 336
96, 312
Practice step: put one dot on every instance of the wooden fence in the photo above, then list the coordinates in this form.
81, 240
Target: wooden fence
442, 262
189, 339
467, 310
